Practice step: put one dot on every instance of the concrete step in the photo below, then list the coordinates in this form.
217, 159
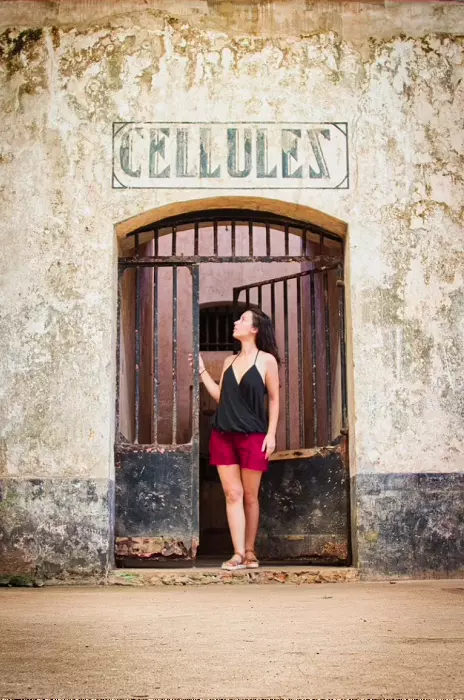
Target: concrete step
202, 576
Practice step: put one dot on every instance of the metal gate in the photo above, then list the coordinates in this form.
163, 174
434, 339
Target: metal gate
305, 495
157, 482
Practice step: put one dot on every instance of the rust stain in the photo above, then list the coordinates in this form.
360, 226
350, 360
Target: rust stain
155, 548
307, 453
335, 549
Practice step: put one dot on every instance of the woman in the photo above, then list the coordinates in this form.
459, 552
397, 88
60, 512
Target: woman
243, 435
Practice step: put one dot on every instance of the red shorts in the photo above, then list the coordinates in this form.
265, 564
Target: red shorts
244, 449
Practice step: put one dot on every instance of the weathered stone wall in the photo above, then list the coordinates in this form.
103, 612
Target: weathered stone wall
394, 73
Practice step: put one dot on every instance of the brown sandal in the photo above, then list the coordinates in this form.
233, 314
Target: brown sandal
251, 562
232, 563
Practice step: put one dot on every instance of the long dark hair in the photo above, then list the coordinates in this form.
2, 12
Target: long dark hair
265, 337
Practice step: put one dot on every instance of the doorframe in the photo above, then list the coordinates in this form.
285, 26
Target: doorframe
315, 219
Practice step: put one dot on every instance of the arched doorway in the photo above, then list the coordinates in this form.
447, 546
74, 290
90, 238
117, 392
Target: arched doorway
291, 268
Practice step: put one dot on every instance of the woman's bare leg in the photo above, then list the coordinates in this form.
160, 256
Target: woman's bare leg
251, 480
233, 491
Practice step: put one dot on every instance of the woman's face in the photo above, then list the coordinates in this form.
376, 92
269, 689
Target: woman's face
243, 327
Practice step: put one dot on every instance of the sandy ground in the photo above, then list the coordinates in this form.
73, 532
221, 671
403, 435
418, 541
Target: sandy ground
353, 640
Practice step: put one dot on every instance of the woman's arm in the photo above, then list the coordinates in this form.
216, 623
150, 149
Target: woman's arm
213, 389
272, 386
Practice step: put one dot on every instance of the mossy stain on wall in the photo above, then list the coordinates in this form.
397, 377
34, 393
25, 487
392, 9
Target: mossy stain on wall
16, 46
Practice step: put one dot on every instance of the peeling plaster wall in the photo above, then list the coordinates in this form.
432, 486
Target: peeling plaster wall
68, 70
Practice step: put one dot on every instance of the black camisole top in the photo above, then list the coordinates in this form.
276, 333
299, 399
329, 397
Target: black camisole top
242, 407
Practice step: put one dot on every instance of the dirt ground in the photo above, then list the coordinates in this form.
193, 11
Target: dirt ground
354, 640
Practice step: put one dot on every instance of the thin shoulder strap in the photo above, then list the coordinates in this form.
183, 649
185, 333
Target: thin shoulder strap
256, 357
234, 359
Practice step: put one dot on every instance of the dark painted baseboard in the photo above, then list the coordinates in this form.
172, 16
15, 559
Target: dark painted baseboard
51, 526
409, 525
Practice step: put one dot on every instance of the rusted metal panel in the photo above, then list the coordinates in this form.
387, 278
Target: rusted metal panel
306, 453
155, 548
309, 549
305, 508
155, 502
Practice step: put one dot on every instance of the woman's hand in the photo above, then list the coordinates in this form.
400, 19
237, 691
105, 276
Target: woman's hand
269, 445
201, 363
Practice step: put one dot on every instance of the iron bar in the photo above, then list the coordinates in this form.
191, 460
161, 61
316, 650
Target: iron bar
118, 351
137, 245
187, 260
235, 303
156, 242
287, 369
155, 356
195, 440
300, 364
195, 238
225, 215
174, 240
207, 320
303, 242
215, 238
232, 238
260, 296
328, 359
174, 355
128, 448
287, 240
247, 297
223, 345
273, 303
341, 315
313, 355
286, 277
268, 240
217, 330
250, 238
138, 317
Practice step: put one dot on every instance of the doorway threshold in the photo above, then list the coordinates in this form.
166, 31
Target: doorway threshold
207, 575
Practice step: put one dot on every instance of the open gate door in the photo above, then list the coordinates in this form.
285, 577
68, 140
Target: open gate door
305, 494
157, 433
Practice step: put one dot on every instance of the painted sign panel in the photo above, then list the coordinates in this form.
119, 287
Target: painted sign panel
230, 156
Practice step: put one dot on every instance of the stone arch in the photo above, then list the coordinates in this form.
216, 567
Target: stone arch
277, 207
